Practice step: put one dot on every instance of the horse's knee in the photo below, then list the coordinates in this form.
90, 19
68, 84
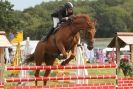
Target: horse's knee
65, 56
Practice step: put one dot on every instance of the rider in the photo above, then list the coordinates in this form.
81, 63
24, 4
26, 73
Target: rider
61, 15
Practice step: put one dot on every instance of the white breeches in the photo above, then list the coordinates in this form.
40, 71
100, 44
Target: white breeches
55, 21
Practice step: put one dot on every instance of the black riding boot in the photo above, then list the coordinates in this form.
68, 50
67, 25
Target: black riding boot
49, 33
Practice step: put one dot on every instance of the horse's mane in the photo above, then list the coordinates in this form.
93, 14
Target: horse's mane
68, 23
80, 16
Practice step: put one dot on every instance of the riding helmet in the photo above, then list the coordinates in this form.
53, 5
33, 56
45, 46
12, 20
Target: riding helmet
68, 5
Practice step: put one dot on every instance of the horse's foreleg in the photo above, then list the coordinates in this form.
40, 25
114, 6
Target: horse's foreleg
72, 56
68, 60
61, 48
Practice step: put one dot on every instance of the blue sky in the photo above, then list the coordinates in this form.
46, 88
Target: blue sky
23, 4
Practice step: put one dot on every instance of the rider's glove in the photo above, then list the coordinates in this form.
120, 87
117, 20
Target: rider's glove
64, 19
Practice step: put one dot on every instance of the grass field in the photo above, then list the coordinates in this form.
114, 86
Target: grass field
102, 71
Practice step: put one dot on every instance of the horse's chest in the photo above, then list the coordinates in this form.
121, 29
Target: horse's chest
70, 43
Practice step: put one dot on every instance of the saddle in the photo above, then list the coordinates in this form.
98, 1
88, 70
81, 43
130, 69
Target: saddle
51, 31
54, 30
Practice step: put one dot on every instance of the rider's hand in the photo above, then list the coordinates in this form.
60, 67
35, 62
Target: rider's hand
63, 19
69, 19
66, 19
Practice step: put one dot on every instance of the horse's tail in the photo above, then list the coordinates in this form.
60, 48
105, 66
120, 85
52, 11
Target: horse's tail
29, 58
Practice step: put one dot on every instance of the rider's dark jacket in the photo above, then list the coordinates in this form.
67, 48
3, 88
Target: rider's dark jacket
61, 13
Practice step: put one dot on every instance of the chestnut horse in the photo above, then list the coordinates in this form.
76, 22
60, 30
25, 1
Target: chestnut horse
63, 41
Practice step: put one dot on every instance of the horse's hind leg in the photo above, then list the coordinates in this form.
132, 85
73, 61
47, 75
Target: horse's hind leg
36, 75
37, 72
47, 72
38, 63
49, 61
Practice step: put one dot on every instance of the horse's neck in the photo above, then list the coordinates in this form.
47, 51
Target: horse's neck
70, 29
74, 30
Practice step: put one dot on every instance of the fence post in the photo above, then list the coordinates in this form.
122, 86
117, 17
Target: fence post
1, 66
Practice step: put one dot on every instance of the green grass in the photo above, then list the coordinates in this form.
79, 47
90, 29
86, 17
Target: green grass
102, 71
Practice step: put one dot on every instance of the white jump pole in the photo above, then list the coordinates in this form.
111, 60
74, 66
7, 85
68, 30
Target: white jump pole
80, 61
23, 73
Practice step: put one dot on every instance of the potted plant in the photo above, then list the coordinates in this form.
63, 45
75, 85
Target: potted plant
126, 66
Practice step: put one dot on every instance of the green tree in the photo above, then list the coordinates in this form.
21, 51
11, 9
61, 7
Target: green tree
7, 17
111, 15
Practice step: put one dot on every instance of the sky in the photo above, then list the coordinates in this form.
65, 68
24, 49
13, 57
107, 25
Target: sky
23, 4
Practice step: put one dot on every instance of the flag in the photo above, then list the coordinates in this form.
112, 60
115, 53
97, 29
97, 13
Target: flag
18, 38
11, 35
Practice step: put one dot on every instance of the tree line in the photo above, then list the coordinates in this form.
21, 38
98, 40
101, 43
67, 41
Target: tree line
111, 15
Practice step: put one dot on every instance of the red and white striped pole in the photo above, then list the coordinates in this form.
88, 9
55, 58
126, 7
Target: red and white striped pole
60, 67
61, 78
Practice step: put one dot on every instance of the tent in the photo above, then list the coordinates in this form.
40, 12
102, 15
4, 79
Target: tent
3, 44
3, 40
120, 40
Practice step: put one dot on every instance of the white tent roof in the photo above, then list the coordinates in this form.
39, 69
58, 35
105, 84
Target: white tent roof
3, 40
124, 38
126, 48
32, 45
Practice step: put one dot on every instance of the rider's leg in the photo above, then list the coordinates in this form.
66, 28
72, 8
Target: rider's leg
49, 33
55, 22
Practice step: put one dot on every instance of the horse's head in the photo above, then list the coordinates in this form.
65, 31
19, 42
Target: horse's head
91, 33
83, 22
